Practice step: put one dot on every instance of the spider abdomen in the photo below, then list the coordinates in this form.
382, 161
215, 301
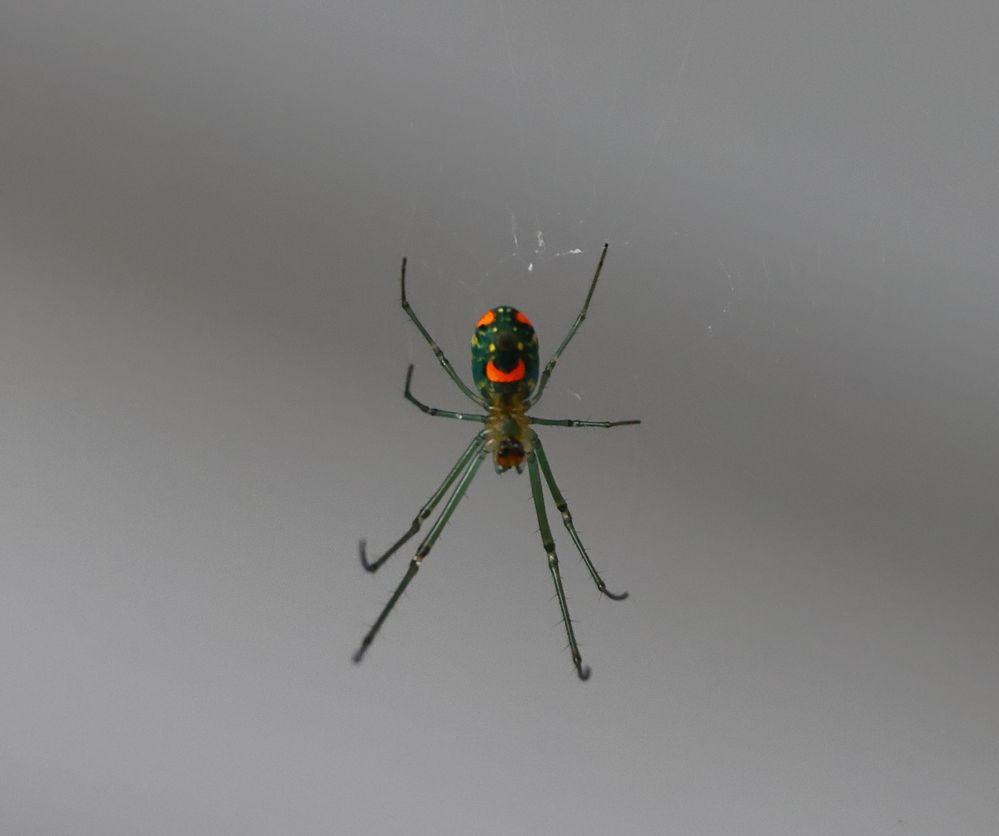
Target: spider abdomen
504, 353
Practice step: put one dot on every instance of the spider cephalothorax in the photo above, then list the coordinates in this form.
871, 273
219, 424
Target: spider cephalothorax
505, 370
508, 432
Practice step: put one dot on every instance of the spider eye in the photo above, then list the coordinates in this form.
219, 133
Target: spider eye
509, 453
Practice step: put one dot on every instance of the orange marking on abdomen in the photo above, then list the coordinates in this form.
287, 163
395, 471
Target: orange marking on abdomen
500, 376
487, 319
521, 318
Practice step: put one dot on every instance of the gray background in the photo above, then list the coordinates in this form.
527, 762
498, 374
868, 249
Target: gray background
202, 211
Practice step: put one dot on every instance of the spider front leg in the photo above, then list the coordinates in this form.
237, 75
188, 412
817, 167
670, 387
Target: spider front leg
573, 422
548, 542
433, 410
438, 351
563, 509
471, 466
547, 373
428, 508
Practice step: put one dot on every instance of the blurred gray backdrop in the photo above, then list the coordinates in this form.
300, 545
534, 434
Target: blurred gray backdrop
203, 207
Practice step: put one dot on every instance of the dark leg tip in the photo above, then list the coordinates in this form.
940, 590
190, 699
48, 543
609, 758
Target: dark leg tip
358, 656
614, 596
583, 671
370, 567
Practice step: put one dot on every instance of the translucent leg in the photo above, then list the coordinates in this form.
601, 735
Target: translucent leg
425, 547
549, 545
428, 508
547, 373
433, 410
563, 508
438, 353
572, 422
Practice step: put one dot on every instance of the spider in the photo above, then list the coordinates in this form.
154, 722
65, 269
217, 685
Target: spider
505, 371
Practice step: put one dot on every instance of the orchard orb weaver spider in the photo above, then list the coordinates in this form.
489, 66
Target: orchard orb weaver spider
505, 371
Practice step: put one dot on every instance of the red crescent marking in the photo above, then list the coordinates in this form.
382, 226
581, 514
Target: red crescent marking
500, 376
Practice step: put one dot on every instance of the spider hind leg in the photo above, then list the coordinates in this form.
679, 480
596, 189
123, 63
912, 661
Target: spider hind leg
563, 509
467, 465
426, 510
548, 542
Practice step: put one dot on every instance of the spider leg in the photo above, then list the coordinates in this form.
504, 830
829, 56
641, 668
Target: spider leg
549, 545
428, 508
433, 410
471, 465
547, 373
572, 422
438, 352
563, 508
